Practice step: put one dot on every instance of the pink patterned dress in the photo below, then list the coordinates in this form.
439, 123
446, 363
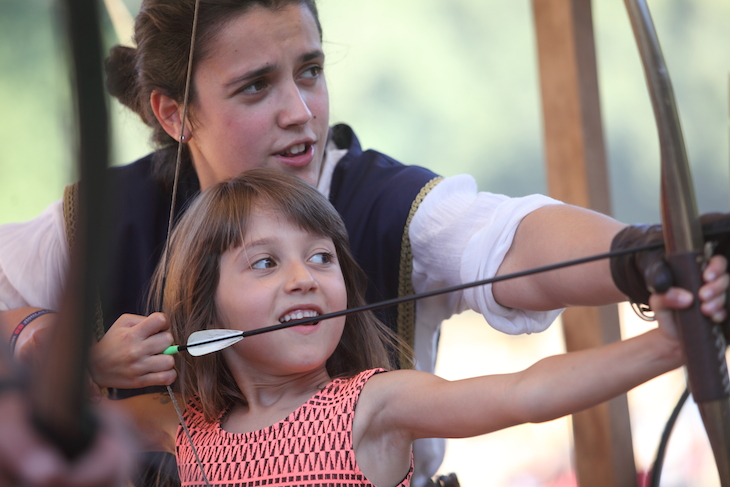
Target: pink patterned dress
312, 447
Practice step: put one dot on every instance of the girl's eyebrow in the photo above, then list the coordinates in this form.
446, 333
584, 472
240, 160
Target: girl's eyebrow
243, 249
257, 243
258, 72
309, 56
255, 73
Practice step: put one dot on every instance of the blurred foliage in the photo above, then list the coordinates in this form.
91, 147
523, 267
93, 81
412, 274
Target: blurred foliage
447, 84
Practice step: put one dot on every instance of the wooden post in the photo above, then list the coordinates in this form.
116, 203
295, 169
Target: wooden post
576, 162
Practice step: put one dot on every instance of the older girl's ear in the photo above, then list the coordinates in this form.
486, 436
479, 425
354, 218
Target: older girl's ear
168, 112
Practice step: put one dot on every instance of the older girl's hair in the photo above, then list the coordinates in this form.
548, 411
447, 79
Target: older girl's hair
162, 31
215, 223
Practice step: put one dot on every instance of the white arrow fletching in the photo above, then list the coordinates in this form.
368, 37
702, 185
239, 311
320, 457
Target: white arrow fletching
208, 341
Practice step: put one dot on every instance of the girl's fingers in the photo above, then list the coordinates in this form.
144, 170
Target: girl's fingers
715, 288
715, 307
157, 343
675, 298
152, 325
716, 265
714, 292
155, 363
158, 378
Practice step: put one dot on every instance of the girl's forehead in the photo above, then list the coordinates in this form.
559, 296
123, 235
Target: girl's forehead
259, 30
275, 220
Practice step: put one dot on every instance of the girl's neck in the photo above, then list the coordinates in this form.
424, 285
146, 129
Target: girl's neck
271, 399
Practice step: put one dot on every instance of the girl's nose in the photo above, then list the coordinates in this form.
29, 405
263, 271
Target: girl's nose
301, 279
294, 110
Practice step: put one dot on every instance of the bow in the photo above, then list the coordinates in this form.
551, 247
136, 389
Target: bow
58, 388
702, 341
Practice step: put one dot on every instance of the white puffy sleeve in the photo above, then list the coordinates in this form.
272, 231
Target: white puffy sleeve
460, 235
34, 257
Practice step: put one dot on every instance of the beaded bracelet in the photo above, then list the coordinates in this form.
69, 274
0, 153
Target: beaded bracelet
24, 323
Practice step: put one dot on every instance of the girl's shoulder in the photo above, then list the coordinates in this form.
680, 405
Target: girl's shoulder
346, 386
397, 385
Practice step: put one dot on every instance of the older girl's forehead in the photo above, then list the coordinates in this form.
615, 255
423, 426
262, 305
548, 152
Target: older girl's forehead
253, 37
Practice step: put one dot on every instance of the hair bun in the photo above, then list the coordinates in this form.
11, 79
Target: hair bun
121, 74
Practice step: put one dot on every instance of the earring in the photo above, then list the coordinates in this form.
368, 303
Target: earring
182, 138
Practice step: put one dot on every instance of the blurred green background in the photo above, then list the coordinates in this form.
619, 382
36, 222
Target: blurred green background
448, 84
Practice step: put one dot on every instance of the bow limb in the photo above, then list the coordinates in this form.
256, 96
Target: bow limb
702, 340
59, 387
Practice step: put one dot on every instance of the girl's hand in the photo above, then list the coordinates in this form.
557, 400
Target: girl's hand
128, 356
713, 295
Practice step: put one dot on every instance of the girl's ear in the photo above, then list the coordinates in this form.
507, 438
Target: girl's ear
167, 111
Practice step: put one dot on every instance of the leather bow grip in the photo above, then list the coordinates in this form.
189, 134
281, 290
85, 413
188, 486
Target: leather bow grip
702, 340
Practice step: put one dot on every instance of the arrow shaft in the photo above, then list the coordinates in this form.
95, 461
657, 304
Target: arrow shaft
395, 301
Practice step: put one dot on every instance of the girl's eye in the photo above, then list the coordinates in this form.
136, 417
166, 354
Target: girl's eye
265, 263
322, 258
254, 88
312, 72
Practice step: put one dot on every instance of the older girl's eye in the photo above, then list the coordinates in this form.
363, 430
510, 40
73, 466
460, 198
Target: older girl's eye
322, 258
265, 263
312, 72
254, 88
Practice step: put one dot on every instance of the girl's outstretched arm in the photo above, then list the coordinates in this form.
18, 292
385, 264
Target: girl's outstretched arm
400, 406
417, 405
424, 405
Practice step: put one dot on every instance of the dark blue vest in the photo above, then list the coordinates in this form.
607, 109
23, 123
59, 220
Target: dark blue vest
374, 194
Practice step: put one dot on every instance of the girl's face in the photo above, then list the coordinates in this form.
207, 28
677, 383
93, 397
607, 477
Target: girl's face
262, 97
281, 273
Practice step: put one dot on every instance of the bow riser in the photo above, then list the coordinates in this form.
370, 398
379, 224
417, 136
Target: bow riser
59, 388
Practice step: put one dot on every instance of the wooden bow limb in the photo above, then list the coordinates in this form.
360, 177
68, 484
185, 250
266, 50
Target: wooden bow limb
702, 340
59, 387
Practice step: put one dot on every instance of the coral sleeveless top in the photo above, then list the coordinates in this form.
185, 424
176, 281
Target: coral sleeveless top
312, 447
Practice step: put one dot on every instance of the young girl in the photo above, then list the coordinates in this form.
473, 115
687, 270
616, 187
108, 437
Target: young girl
311, 404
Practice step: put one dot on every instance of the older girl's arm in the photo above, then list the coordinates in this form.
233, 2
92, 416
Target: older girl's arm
553, 234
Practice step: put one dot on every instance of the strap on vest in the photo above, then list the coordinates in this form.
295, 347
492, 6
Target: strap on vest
407, 311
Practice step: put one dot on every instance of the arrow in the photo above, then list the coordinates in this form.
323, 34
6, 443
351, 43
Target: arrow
219, 338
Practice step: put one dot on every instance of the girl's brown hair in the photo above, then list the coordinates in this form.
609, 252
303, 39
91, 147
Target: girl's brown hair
215, 223
162, 31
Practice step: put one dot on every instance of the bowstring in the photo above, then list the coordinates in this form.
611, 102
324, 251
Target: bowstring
187, 434
171, 220
178, 157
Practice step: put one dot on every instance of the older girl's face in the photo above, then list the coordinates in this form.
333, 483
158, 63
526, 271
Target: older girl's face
281, 273
262, 98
